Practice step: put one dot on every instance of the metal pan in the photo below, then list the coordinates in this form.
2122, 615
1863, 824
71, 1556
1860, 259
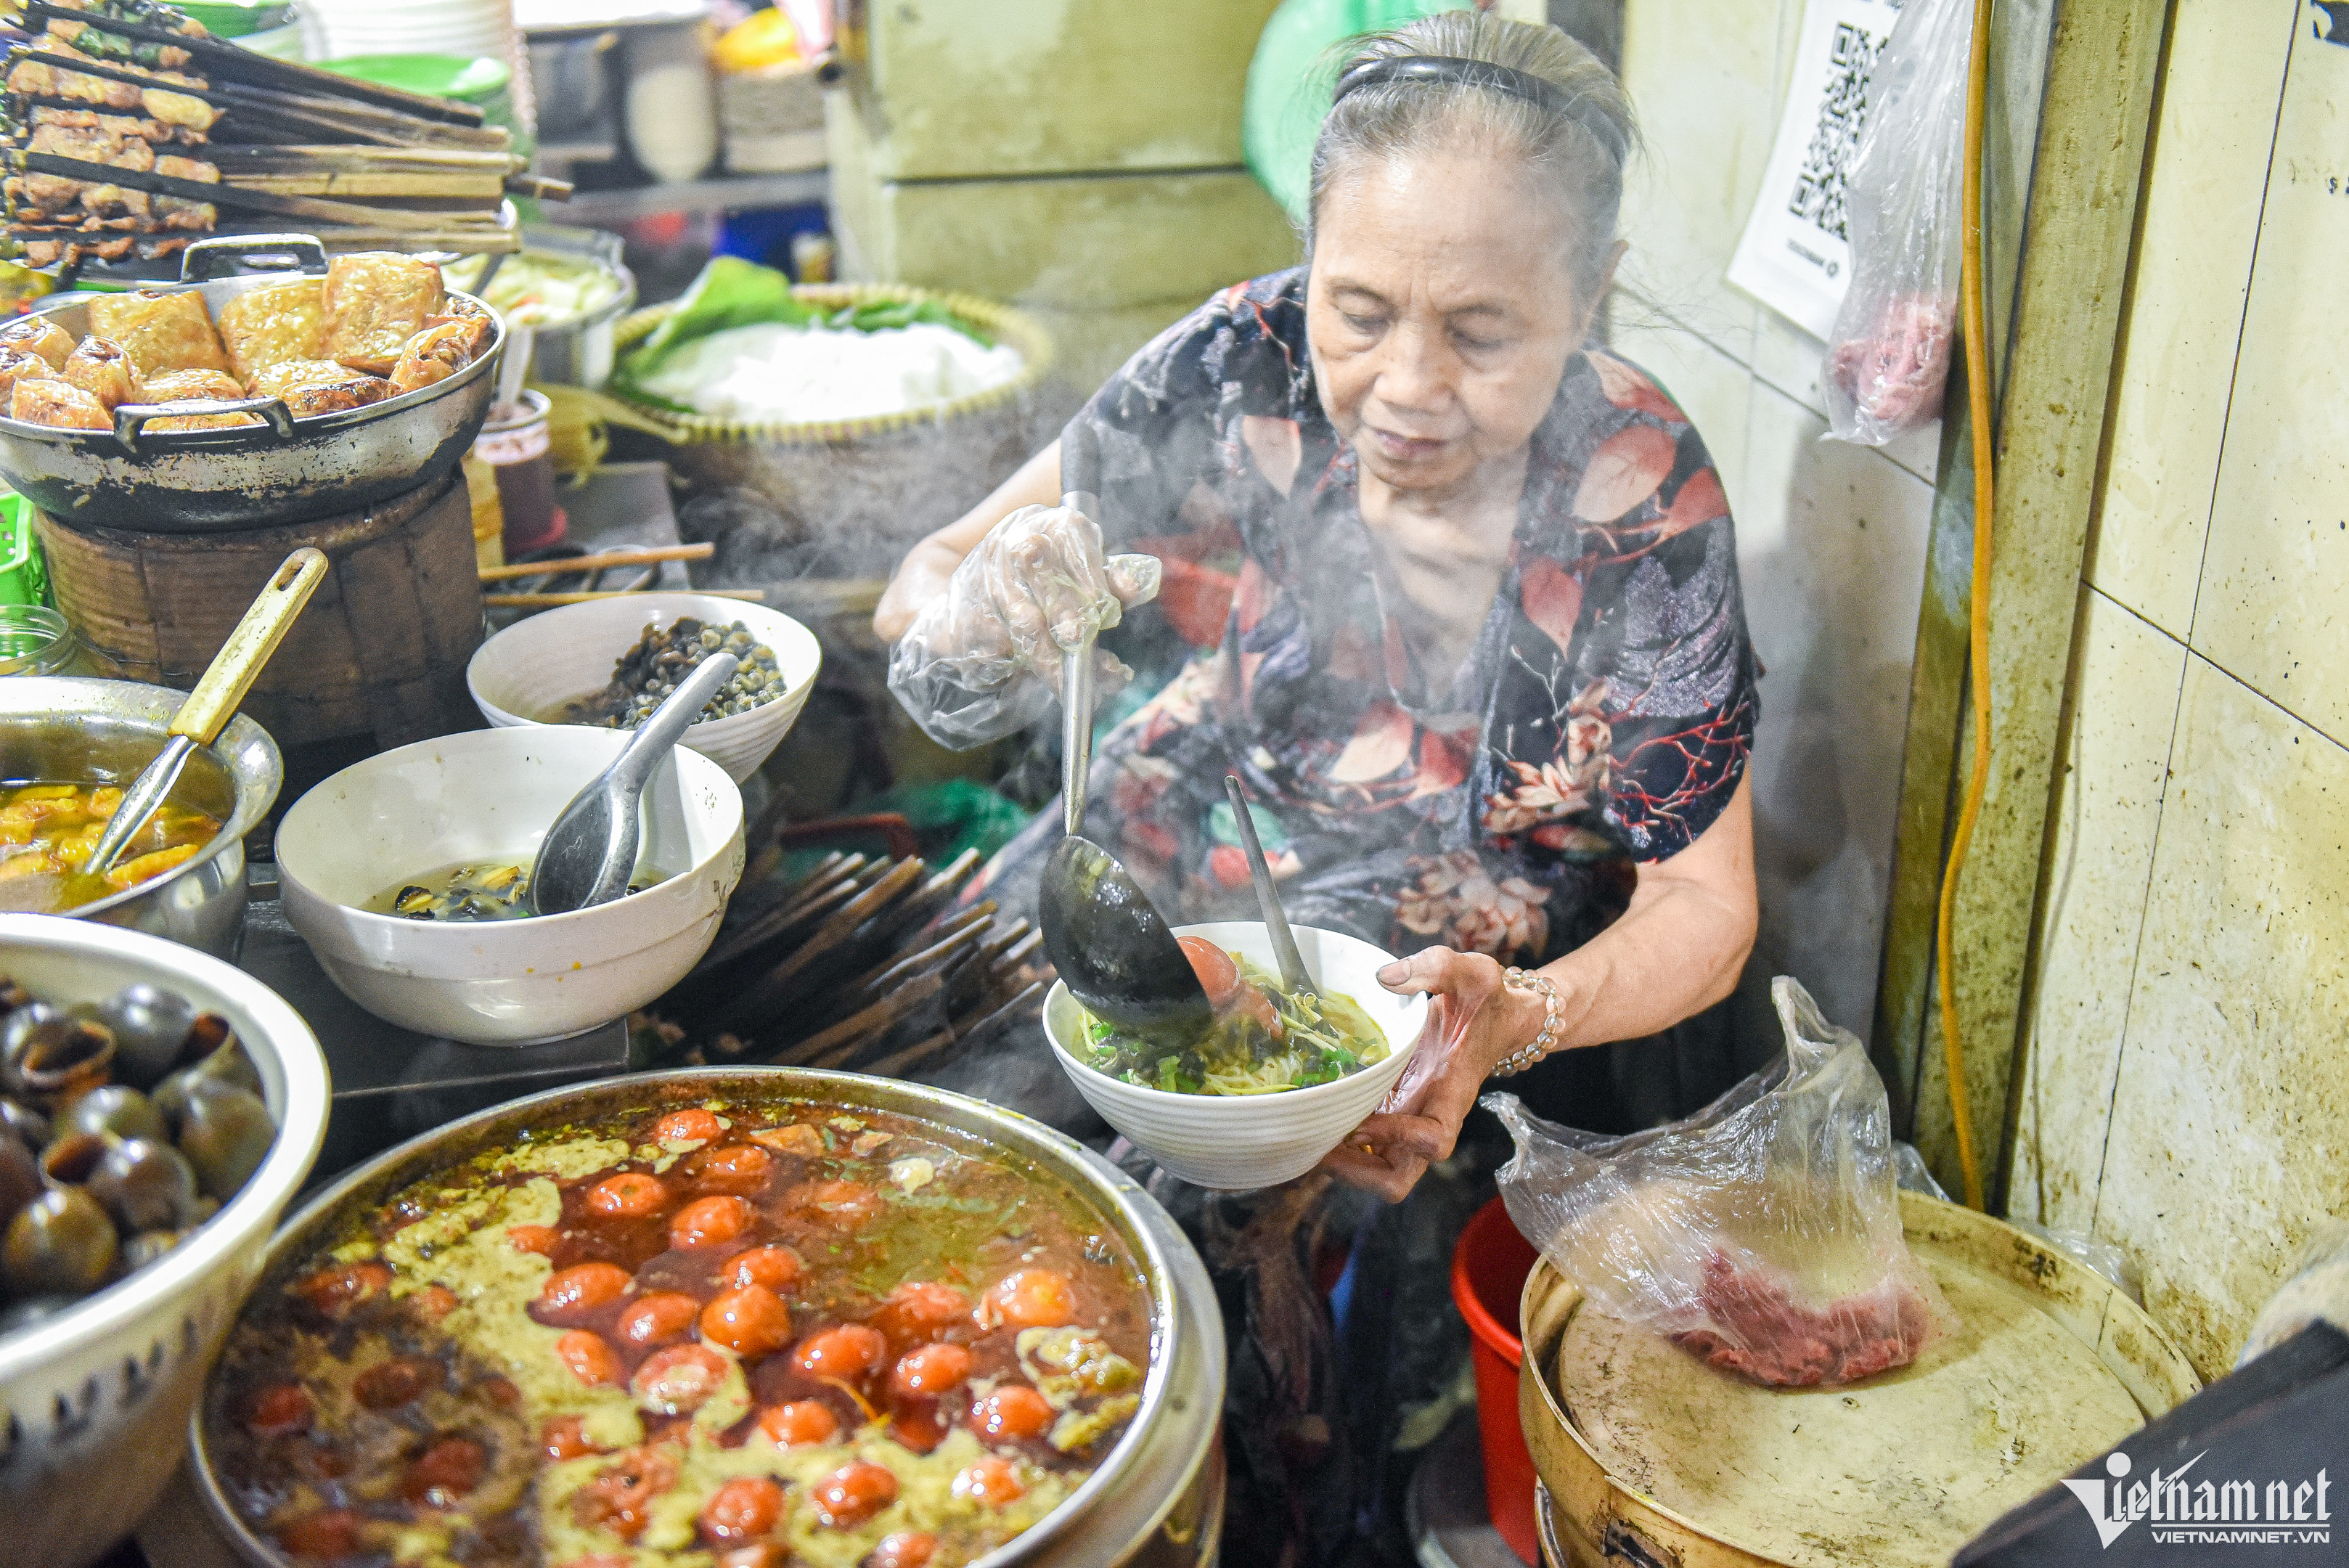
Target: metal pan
282, 471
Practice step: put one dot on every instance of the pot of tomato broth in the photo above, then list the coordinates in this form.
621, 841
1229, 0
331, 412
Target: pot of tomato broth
67, 731
750, 1316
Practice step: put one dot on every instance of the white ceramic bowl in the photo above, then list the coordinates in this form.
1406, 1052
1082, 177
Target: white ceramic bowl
1238, 1142
94, 1402
536, 665
495, 792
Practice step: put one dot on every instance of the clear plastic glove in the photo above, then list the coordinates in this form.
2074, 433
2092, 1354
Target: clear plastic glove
983, 659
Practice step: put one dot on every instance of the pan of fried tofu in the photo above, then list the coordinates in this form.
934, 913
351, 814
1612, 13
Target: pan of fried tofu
307, 390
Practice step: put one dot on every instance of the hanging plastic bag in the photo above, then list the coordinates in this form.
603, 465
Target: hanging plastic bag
983, 659
1762, 1234
1887, 358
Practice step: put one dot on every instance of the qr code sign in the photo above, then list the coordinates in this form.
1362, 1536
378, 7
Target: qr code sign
1819, 196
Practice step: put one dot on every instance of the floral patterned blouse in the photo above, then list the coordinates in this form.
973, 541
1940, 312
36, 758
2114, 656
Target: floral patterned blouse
1603, 716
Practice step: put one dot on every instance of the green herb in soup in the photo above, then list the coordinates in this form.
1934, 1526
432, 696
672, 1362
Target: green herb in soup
1263, 1039
767, 1329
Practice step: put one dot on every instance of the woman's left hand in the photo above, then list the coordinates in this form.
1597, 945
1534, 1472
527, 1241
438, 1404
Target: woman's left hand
1473, 1023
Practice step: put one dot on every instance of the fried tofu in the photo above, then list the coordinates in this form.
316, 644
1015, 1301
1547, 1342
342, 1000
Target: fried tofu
43, 335
376, 301
162, 332
105, 372
432, 356
320, 387
469, 314
57, 403
275, 325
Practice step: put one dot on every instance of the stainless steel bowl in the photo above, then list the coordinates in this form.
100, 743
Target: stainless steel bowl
578, 352
282, 469
94, 1402
1156, 1502
72, 730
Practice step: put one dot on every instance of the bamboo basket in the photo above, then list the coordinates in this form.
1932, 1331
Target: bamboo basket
851, 494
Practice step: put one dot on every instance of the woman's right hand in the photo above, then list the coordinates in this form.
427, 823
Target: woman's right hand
1037, 583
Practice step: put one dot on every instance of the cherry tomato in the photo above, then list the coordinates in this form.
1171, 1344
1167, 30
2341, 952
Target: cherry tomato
738, 1168
631, 1195
1218, 975
445, 1472
707, 1219
853, 1494
741, 1509
501, 1392
903, 1549
388, 1385
279, 1409
800, 1422
583, 1287
1014, 1410
920, 1429
657, 1318
331, 1534
335, 1291
565, 1437
918, 1310
435, 1301
929, 1371
777, 1268
680, 1379
1250, 1002
621, 1499
686, 1127
756, 1555
539, 1239
992, 1480
748, 1320
850, 1353
1030, 1298
590, 1359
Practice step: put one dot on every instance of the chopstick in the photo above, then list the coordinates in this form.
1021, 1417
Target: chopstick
547, 601
563, 568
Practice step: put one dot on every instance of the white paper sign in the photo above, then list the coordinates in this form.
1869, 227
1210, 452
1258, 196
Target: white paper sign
1795, 255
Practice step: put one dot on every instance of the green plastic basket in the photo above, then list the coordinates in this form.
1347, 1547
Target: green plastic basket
24, 575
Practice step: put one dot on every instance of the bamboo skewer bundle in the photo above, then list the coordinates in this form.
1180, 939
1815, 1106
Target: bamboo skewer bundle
127, 128
863, 963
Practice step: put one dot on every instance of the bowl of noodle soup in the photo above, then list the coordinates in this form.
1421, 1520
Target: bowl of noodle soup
1258, 1135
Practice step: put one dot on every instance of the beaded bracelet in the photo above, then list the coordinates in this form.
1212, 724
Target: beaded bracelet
1525, 1056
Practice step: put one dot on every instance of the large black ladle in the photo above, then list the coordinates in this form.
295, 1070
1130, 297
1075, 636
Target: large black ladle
1105, 936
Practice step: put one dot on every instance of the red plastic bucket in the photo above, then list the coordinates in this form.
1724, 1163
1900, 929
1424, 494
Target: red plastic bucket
1488, 1272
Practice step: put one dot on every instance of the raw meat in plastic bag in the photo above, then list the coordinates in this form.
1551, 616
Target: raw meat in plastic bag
1888, 360
1762, 1234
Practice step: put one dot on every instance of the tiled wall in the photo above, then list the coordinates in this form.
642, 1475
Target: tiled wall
1831, 537
2186, 1089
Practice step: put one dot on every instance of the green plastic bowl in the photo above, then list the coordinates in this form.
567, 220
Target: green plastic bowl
238, 19
436, 76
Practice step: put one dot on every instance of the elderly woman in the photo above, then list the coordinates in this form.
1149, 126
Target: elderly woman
1463, 585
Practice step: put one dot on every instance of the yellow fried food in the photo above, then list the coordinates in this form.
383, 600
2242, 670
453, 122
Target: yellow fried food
39, 335
432, 356
273, 325
104, 370
376, 301
61, 404
320, 387
162, 332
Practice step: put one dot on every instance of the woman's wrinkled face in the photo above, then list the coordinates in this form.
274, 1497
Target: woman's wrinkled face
1441, 311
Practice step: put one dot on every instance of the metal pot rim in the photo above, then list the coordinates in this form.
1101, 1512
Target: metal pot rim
241, 734
1183, 1301
255, 438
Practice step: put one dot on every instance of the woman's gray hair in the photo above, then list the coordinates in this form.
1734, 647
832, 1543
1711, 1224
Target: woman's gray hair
1563, 142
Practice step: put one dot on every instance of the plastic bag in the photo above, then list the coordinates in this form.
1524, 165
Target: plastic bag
1888, 360
2317, 1290
1762, 1234
983, 659
1910, 1174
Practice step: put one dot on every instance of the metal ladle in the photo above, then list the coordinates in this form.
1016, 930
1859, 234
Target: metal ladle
1105, 936
214, 701
589, 855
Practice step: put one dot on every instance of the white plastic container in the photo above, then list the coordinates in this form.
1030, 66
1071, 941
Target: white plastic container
1238, 1142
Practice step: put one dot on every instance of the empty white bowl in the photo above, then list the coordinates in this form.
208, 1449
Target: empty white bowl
1238, 1142
537, 664
493, 793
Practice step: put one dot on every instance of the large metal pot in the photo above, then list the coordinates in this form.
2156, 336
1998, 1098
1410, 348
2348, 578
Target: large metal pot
203, 482
1156, 1502
71, 730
